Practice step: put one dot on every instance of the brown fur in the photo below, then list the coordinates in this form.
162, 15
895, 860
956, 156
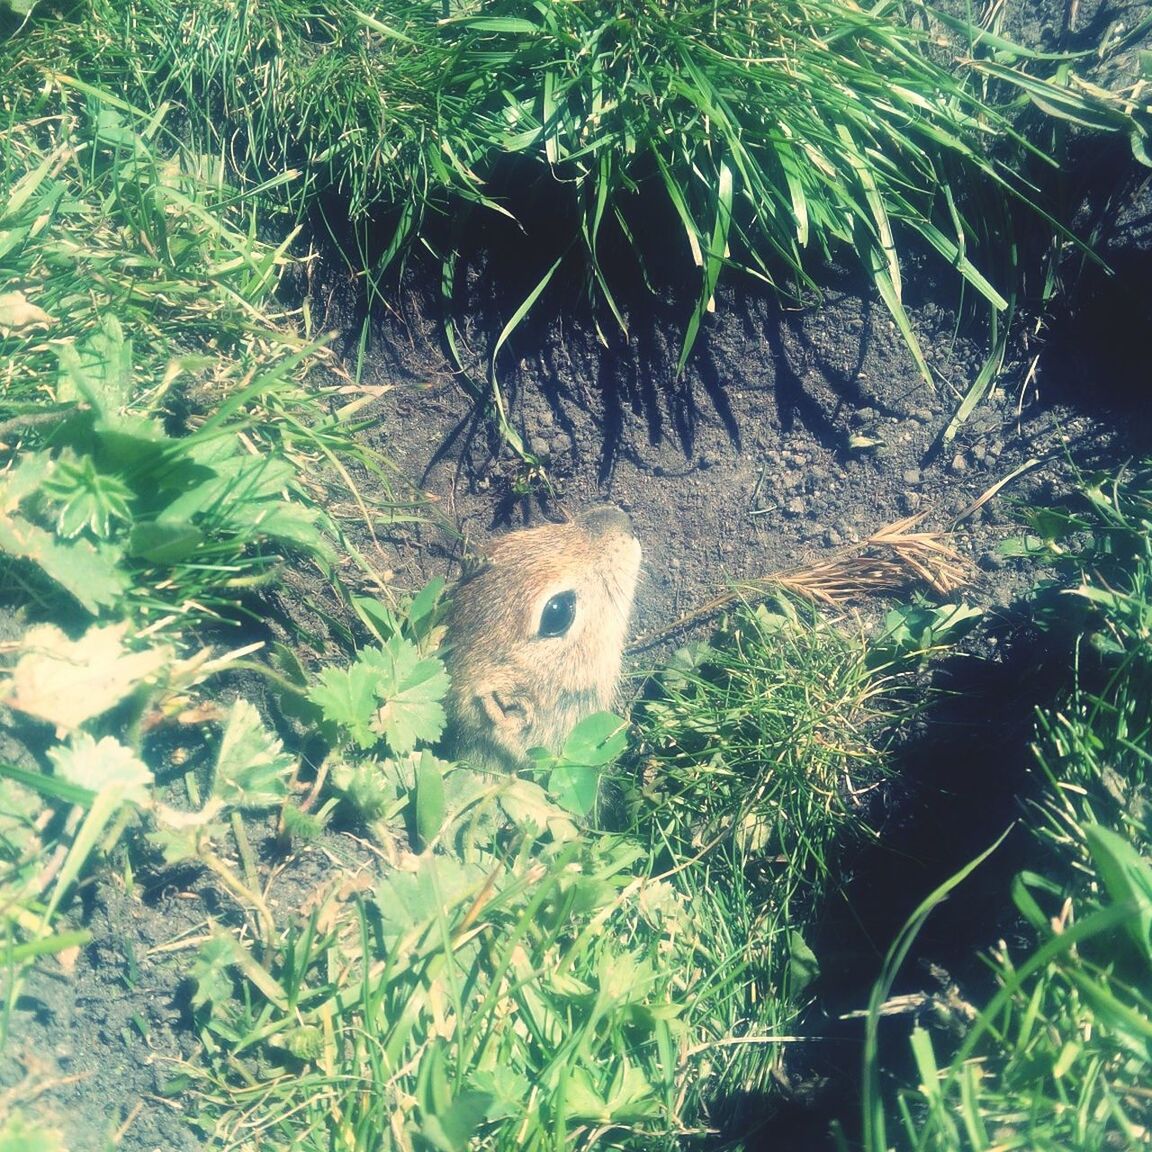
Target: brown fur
512, 688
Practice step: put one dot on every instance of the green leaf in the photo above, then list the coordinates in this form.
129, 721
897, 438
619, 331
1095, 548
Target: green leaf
98, 371
20, 840
164, 541
424, 604
212, 973
450, 1128
510, 24
429, 799
528, 806
45, 785
410, 687
113, 130
378, 617
177, 845
1102, 113
28, 476
803, 967
281, 520
305, 1042
136, 444
235, 483
252, 769
88, 498
383, 29
597, 740
19, 1134
89, 572
1127, 876
347, 697
103, 766
416, 898
575, 787
367, 788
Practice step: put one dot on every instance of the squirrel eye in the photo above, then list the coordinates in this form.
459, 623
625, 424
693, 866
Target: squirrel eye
558, 615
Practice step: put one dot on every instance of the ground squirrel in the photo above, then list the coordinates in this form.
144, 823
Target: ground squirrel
536, 634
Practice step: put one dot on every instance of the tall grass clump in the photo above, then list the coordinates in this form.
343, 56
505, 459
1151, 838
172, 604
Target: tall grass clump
772, 136
763, 745
760, 753
1059, 1056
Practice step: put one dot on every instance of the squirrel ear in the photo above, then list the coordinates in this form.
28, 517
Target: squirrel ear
510, 715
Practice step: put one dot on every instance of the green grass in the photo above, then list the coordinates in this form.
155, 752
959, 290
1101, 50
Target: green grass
1059, 1056
773, 136
167, 451
523, 980
763, 746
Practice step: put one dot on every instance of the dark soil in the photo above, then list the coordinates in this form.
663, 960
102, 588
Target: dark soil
793, 432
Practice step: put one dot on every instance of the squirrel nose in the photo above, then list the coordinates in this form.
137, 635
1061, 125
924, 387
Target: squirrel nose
605, 519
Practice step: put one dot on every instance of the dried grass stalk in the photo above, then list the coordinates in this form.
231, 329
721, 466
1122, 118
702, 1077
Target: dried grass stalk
890, 560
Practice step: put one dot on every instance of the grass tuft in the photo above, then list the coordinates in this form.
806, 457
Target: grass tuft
166, 452
774, 137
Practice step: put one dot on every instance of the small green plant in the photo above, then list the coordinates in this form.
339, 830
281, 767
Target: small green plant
132, 521
159, 481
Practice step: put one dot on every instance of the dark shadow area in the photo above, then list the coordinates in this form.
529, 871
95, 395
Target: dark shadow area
480, 268
1095, 350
